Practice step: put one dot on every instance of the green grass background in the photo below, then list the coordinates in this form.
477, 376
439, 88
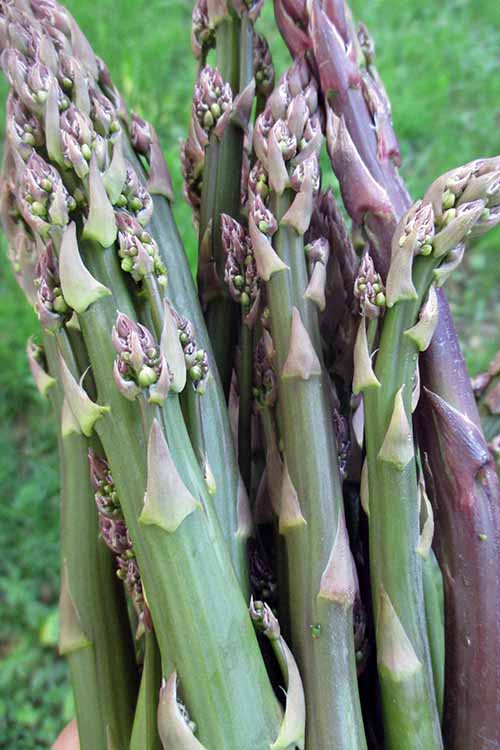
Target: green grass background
440, 62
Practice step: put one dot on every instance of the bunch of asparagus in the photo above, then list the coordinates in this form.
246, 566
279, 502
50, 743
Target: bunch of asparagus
280, 519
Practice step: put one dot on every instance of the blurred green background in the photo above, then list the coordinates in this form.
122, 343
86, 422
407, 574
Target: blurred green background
440, 63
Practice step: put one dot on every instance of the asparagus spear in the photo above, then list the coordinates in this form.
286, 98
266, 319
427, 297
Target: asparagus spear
430, 231
115, 534
94, 631
320, 569
220, 135
166, 562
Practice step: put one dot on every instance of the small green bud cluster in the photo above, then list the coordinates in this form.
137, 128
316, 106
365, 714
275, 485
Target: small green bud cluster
265, 388
135, 198
369, 289
240, 272
211, 99
50, 305
140, 364
138, 250
196, 359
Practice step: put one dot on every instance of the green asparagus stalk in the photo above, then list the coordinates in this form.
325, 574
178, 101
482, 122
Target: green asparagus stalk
94, 634
461, 470
320, 568
433, 232
366, 163
219, 459
221, 106
434, 617
240, 275
115, 534
145, 728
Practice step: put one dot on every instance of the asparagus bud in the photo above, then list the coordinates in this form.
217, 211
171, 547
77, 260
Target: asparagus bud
51, 306
369, 289
265, 385
317, 253
23, 128
202, 35
211, 99
196, 359
241, 270
140, 363
263, 68
43, 198
192, 162
76, 136
137, 199
138, 250
146, 142
30, 79
102, 113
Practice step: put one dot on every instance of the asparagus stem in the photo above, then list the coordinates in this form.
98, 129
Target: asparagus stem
145, 729
410, 715
102, 664
444, 373
245, 405
371, 333
191, 411
184, 571
434, 617
321, 625
431, 231
221, 185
